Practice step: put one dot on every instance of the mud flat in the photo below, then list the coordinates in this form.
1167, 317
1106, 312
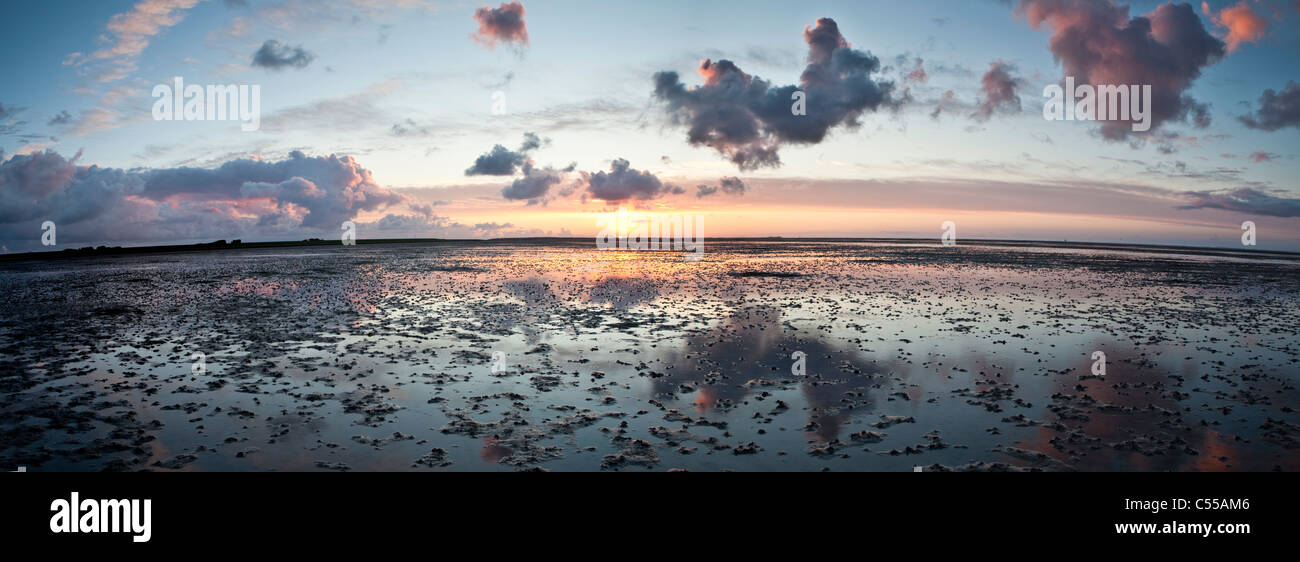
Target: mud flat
766, 355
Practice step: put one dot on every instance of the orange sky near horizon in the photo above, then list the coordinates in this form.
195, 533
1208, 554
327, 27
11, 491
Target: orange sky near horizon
777, 220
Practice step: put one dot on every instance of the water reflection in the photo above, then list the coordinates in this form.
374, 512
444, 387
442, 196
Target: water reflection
381, 358
753, 351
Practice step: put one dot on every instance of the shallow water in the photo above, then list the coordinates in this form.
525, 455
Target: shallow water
385, 357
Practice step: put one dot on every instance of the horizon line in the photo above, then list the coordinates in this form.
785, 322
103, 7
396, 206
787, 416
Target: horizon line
103, 250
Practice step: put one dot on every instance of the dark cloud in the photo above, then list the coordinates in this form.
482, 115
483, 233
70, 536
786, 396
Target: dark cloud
426, 209
1246, 200
1276, 110
535, 184
504, 24
241, 198
622, 183
531, 142
501, 161
998, 91
277, 56
729, 185
62, 118
331, 189
409, 128
955, 69
734, 186
747, 119
1098, 43
8, 124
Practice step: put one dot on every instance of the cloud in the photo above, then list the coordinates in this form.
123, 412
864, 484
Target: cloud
128, 34
339, 187
394, 225
501, 161
1276, 110
997, 91
504, 24
1261, 156
729, 185
747, 119
425, 209
536, 183
1241, 21
1098, 43
531, 142
492, 227
239, 199
947, 101
418, 226
349, 113
622, 183
9, 123
274, 55
409, 128
1246, 200
62, 118
734, 186
94, 120
917, 73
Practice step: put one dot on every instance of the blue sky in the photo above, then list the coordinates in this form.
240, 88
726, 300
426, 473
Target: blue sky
404, 91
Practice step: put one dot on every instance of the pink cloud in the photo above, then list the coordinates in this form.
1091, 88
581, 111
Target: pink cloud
1241, 21
504, 24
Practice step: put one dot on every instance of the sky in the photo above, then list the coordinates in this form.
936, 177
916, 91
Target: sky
424, 118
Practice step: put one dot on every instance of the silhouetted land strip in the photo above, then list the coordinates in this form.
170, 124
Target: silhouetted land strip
97, 251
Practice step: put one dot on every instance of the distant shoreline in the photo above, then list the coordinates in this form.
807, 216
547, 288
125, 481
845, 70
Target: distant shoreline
103, 251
